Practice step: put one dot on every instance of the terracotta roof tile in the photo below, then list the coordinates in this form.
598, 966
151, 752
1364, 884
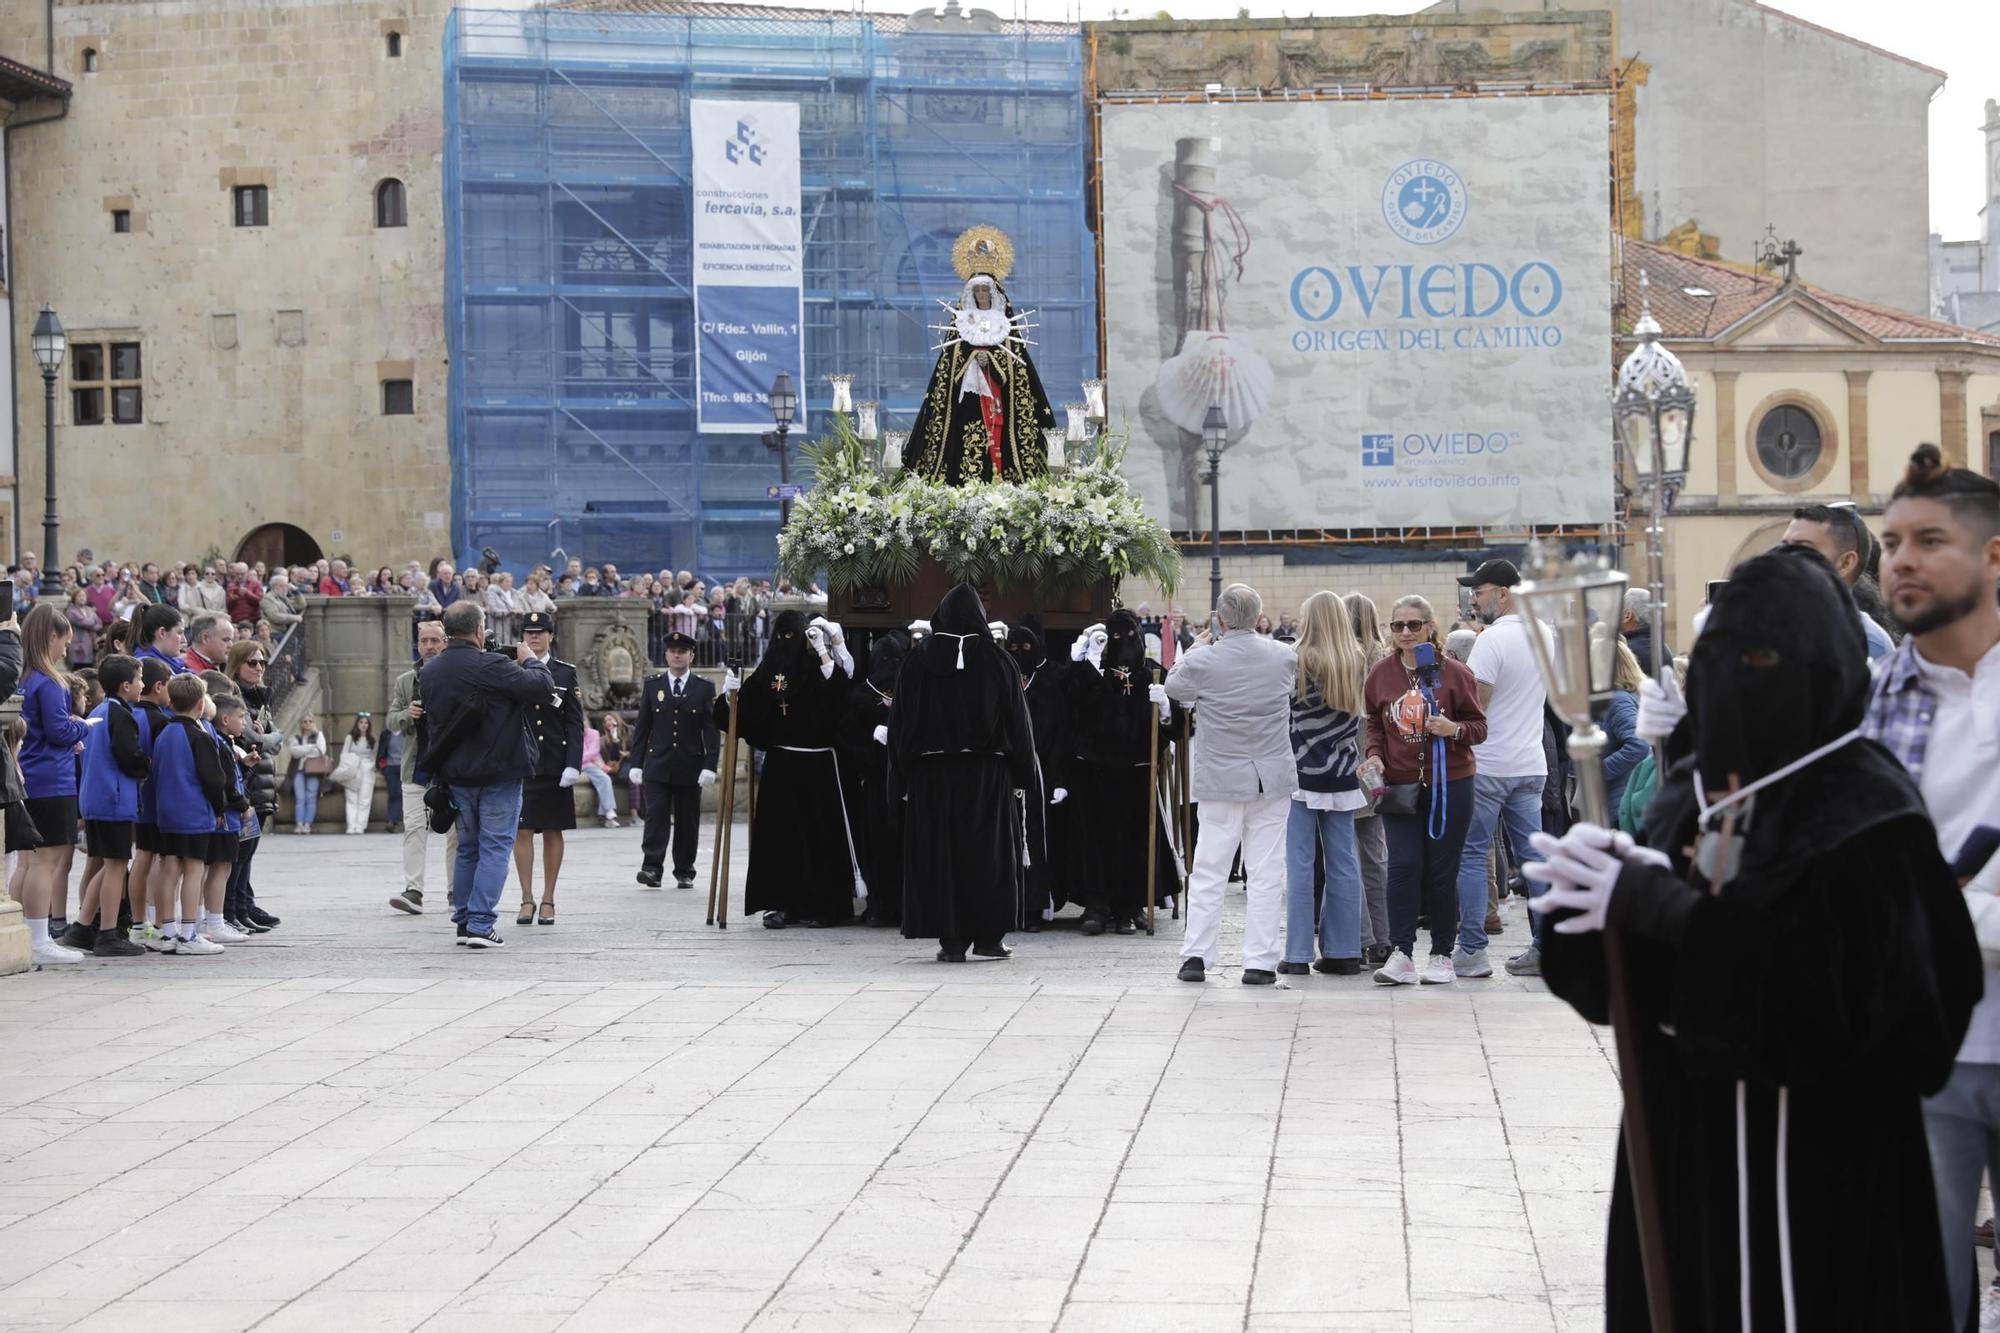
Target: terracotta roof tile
18, 82
1700, 298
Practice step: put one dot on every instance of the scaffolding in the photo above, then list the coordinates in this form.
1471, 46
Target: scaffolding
569, 309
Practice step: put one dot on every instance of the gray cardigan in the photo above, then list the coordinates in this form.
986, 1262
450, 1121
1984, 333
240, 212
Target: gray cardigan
1242, 687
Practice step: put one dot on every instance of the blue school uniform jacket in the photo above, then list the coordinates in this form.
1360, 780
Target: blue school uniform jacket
225, 753
156, 719
191, 791
114, 763
48, 754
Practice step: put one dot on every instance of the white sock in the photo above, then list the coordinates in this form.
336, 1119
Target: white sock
38, 929
152, 915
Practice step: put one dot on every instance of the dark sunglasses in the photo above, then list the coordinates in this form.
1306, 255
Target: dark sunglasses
255, 661
1408, 626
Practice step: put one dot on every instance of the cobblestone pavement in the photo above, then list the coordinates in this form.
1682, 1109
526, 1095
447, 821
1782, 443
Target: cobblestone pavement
629, 1121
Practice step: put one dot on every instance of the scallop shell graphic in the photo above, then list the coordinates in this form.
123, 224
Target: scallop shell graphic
1214, 367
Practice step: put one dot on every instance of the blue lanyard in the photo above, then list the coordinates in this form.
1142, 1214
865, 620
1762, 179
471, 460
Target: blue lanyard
1439, 806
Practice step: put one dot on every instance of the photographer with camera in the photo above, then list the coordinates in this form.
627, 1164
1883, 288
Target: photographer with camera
476, 742
1424, 717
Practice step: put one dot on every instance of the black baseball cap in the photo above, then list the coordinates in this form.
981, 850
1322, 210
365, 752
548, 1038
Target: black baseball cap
545, 622
680, 639
1499, 573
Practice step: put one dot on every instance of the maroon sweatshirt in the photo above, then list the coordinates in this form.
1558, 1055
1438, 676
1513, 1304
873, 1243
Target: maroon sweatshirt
1457, 698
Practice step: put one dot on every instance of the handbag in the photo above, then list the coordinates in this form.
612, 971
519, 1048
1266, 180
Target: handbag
318, 766
1399, 798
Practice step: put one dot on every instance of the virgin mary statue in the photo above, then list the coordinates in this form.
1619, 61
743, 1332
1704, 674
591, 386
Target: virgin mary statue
983, 413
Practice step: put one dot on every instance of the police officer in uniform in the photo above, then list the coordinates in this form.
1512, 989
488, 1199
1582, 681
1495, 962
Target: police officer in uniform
677, 749
547, 805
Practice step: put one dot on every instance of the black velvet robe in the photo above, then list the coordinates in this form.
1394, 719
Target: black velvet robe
949, 441
1108, 789
960, 747
878, 832
1046, 883
803, 857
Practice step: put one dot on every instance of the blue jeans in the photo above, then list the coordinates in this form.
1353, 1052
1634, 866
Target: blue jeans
1340, 914
305, 798
1962, 1123
1519, 801
488, 818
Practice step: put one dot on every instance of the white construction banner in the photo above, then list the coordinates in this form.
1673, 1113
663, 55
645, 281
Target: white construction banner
1401, 307
749, 261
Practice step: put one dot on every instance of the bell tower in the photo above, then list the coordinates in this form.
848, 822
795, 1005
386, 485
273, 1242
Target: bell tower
1989, 274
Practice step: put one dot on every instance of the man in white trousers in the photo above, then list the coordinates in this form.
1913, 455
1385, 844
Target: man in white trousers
406, 710
1242, 775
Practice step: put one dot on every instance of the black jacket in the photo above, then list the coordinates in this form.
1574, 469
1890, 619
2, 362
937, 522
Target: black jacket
556, 723
676, 738
12, 788
476, 708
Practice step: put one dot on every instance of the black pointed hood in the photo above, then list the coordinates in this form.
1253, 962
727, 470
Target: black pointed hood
1126, 646
885, 659
1026, 646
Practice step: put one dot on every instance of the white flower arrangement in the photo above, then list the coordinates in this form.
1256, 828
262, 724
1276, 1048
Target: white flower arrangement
1061, 530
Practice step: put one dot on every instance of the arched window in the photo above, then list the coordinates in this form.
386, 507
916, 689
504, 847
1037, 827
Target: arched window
395, 46
391, 208
90, 60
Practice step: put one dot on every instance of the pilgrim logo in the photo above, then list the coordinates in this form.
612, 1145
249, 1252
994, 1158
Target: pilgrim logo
1424, 201
1378, 450
744, 147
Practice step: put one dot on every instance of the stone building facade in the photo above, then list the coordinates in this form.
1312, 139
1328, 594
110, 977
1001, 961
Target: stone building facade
1965, 275
273, 361
1805, 396
1745, 117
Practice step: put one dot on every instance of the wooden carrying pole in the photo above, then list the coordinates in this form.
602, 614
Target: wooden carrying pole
1153, 807
725, 820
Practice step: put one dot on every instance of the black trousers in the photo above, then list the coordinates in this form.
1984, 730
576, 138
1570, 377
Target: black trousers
676, 807
1423, 872
237, 897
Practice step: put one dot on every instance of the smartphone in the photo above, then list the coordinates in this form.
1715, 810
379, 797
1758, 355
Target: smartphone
1427, 656
1714, 586
1977, 849
6, 599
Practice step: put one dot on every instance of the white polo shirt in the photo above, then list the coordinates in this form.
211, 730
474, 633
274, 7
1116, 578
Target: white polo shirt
1503, 659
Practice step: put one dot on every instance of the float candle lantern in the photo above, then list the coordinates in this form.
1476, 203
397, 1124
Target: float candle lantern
843, 392
1073, 412
864, 420
1052, 439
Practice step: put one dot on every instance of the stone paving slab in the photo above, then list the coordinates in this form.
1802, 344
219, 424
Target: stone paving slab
630, 1120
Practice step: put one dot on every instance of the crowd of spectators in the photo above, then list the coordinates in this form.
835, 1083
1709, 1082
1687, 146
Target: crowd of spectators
726, 620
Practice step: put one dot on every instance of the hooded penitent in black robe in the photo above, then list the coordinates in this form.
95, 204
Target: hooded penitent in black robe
960, 746
802, 852
1045, 887
949, 441
1111, 720
877, 832
1793, 1019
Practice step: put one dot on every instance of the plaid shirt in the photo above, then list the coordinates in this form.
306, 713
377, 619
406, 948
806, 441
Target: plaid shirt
1900, 708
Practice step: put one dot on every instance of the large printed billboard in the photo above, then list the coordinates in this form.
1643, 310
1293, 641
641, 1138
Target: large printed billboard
1402, 308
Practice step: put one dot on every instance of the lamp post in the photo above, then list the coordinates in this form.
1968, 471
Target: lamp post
49, 344
784, 405
1655, 410
1214, 437
1562, 603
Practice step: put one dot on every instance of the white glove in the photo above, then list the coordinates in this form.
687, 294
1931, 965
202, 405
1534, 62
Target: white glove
881, 735
1158, 694
93, 721
1581, 869
1661, 708
844, 659
638, 778
1078, 648
919, 628
731, 682
826, 669
1059, 795
835, 635
1094, 644
998, 629
570, 777
816, 637
705, 778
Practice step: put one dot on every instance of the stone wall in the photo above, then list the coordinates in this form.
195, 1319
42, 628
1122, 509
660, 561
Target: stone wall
1285, 585
263, 348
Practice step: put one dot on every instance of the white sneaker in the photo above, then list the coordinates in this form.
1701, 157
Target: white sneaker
200, 946
1437, 972
150, 936
1989, 1309
611, 821
1398, 971
222, 932
1468, 964
47, 953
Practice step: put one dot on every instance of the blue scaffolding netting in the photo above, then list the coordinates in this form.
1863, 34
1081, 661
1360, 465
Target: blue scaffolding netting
569, 309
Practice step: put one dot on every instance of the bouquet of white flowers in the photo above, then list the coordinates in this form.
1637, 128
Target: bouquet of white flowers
1065, 529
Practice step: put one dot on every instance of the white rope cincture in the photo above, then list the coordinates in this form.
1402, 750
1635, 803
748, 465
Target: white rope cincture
961, 645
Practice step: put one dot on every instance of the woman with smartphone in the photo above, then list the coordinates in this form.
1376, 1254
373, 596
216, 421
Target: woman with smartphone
1423, 720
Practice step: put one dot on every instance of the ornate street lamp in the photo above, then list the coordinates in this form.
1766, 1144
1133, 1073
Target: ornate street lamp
1655, 411
1214, 438
49, 344
784, 402
1579, 604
